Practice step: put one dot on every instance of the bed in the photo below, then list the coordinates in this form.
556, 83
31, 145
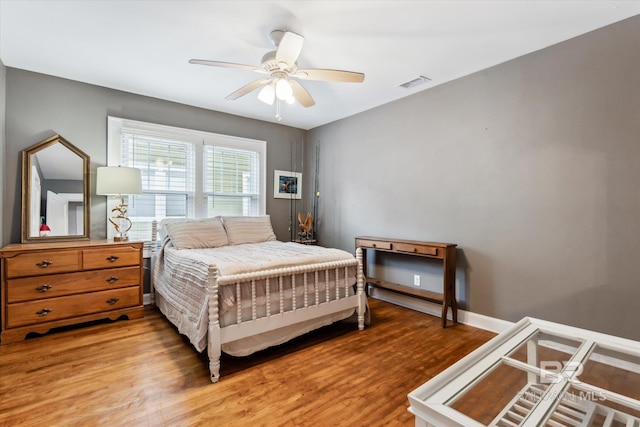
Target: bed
229, 286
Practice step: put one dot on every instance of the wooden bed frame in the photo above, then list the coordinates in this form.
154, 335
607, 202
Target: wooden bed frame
313, 275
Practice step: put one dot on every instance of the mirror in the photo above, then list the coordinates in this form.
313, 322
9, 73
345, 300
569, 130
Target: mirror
55, 192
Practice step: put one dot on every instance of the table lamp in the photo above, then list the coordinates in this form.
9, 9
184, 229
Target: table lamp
119, 181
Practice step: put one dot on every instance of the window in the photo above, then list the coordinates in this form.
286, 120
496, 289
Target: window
186, 173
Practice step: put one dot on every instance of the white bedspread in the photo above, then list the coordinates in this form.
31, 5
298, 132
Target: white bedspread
181, 278
250, 257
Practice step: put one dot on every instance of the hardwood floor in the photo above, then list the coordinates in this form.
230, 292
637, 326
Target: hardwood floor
142, 373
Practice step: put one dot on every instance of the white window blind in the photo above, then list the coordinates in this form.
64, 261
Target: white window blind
187, 173
168, 180
230, 181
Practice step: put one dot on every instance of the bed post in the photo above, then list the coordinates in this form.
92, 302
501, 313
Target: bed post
214, 341
154, 248
360, 289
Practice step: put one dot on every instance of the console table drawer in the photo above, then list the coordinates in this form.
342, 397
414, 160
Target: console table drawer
376, 244
56, 285
46, 310
416, 249
35, 264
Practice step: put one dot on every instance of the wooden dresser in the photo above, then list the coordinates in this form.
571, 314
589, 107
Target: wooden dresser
48, 285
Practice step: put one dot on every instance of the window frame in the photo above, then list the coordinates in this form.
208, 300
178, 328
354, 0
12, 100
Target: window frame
116, 126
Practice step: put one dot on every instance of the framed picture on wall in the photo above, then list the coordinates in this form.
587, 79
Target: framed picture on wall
287, 185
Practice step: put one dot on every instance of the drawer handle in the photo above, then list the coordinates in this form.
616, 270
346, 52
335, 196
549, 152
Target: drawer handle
43, 288
112, 301
374, 245
44, 264
44, 312
112, 258
112, 280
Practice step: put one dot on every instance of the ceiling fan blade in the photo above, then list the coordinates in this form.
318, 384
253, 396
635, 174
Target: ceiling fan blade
329, 75
248, 88
301, 95
289, 48
227, 65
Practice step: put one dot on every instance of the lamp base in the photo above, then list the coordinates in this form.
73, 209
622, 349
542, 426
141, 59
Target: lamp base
121, 237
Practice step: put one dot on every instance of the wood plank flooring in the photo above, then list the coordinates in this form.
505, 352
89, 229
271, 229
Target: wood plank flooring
142, 373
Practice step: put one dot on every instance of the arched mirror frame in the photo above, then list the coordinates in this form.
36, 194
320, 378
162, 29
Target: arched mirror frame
27, 176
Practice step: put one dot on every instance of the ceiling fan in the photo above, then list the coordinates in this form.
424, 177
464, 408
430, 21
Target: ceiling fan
280, 69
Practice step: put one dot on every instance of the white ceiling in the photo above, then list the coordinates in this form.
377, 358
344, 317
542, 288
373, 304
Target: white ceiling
143, 46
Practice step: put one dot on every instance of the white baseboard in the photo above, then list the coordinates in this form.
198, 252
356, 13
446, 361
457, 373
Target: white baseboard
146, 299
465, 317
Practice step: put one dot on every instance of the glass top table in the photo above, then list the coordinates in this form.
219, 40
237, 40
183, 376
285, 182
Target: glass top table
537, 373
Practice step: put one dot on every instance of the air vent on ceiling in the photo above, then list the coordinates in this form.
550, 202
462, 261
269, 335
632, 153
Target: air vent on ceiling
415, 82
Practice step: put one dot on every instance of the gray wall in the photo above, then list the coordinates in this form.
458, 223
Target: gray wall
3, 97
532, 167
38, 106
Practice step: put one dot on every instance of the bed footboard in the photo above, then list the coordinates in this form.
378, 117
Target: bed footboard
315, 304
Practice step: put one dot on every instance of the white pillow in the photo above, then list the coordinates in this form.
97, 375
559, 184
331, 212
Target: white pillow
248, 229
195, 233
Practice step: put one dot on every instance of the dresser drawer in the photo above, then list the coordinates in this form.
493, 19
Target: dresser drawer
46, 310
376, 244
417, 249
34, 264
110, 257
55, 285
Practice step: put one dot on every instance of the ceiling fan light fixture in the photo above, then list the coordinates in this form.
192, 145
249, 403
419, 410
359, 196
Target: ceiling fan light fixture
267, 94
284, 90
281, 68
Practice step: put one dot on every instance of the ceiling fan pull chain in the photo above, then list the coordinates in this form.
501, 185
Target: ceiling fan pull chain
278, 115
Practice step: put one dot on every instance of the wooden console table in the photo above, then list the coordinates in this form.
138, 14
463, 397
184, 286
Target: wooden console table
444, 251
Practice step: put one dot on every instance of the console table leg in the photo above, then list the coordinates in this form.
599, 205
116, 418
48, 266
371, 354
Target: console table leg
450, 286
445, 309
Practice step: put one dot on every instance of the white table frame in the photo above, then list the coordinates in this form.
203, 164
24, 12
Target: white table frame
430, 402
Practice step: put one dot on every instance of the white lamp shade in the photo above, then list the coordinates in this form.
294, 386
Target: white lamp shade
283, 89
267, 94
118, 180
